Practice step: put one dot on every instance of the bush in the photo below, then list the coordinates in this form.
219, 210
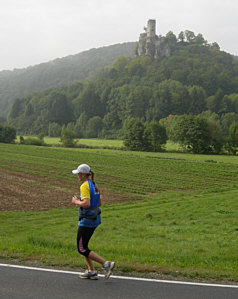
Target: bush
67, 138
7, 134
32, 141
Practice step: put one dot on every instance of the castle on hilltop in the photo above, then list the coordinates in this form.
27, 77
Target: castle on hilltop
150, 44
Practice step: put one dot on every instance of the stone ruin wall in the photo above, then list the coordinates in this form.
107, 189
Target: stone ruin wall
150, 44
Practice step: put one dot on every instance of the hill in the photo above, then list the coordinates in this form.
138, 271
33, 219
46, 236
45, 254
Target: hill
194, 78
59, 72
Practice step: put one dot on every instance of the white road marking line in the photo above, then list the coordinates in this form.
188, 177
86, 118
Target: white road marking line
122, 277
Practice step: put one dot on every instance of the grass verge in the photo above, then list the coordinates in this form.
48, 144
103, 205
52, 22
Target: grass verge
173, 233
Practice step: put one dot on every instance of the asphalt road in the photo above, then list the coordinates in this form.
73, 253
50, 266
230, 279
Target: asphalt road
24, 283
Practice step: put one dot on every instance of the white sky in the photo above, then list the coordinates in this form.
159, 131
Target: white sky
36, 31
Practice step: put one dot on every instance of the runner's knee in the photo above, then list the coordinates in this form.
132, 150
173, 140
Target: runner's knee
83, 251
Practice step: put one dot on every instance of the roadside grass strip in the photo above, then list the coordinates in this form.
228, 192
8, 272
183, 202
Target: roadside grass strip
191, 236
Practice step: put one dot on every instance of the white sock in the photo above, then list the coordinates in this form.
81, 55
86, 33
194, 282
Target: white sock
106, 264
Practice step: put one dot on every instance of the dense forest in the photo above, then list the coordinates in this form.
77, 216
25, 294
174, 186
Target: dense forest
196, 79
59, 72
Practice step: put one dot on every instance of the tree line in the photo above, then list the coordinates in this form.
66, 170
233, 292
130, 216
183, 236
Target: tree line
196, 79
59, 72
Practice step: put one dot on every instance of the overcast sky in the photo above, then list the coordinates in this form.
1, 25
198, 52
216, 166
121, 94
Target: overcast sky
36, 31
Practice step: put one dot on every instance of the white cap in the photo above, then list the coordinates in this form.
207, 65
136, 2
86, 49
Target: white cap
83, 168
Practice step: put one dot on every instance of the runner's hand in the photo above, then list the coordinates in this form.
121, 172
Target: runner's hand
74, 199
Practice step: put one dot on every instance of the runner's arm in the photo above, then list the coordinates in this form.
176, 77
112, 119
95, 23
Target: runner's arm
85, 203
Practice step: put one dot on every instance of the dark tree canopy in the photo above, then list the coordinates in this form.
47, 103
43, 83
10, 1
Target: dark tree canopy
194, 78
7, 134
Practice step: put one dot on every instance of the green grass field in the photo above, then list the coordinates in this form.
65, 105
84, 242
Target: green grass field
185, 223
94, 142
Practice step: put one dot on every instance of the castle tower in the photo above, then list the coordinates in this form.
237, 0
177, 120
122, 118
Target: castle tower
151, 28
150, 39
146, 44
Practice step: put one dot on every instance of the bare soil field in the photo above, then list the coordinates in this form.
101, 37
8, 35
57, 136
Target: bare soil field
26, 192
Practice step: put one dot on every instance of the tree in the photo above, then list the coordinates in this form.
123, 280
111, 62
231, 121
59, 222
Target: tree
135, 67
215, 46
94, 127
54, 130
28, 110
197, 97
169, 123
41, 123
192, 132
215, 133
81, 124
121, 62
232, 142
15, 109
171, 40
156, 134
111, 125
7, 134
67, 138
89, 101
190, 36
181, 37
199, 40
215, 102
137, 101
58, 108
111, 121
134, 137
169, 97
41, 136
2, 120
70, 126
231, 102
226, 120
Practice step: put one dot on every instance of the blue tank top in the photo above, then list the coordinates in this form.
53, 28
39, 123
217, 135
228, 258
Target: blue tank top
94, 202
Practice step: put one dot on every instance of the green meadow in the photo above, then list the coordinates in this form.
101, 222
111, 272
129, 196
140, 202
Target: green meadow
181, 217
93, 142
100, 143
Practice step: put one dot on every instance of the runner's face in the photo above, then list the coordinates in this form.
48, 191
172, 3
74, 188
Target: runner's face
82, 177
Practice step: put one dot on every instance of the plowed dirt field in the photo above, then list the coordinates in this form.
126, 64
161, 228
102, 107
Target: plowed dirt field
27, 192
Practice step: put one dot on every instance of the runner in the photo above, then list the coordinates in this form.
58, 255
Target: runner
89, 218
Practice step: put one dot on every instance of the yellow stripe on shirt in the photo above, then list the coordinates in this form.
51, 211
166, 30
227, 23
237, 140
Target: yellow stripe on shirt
84, 190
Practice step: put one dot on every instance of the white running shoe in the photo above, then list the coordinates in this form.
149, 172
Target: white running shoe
108, 267
88, 274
